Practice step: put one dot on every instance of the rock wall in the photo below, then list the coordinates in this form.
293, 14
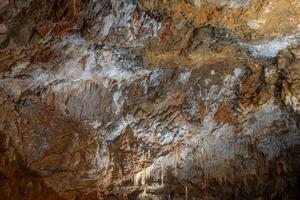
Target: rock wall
147, 99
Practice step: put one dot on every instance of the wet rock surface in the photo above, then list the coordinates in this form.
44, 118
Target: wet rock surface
139, 99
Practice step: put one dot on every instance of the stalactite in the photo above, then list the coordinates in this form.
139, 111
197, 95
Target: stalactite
186, 192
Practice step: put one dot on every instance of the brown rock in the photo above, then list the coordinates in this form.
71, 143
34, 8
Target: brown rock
149, 99
224, 115
3, 29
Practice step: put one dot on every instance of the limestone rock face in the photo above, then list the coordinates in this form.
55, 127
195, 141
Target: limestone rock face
149, 99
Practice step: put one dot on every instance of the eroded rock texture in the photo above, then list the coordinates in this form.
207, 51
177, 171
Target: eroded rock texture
149, 99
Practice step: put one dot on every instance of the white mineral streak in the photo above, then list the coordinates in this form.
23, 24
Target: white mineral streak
18, 68
155, 77
109, 20
270, 49
117, 73
238, 72
118, 100
235, 4
95, 124
293, 101
268, 113
269, 72
197, 3
124, 21
268, 8
184, 77
42, 79
255, 24
117, 130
